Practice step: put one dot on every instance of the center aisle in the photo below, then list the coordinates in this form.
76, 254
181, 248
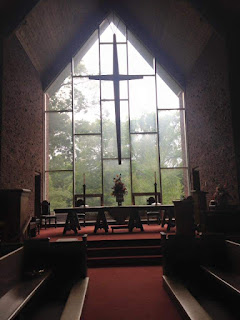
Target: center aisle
128, 293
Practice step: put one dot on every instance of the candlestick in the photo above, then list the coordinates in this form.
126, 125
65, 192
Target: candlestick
84, 194
155, 187
155, 177
84, 179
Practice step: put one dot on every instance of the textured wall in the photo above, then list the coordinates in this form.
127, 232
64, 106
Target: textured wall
22, 116
209, 129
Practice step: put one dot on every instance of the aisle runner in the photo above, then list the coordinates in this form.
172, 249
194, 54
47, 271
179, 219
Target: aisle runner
128, 293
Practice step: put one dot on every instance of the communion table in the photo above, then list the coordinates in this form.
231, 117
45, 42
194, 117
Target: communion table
101, 221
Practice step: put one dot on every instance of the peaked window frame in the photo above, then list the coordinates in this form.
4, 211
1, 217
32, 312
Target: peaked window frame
158, 71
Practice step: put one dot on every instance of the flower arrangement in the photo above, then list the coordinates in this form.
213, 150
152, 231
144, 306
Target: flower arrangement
119, 187
221, 196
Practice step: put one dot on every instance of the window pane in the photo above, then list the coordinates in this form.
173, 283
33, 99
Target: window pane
109, 129
108, 93
174, 184
86, 61
86, 106
167, 81
88, 162
172, 138
59, 95
110, 170
142, 99
106, 60
166, 98
93, 201
144, 162
59, 189
112, 25
140, 59
59, 142
122, 58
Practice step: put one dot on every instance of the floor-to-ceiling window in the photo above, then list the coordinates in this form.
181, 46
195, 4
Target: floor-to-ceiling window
80, 124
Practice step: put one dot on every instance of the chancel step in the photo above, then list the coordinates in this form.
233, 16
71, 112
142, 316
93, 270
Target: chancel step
124, 261
124, 252
118, 251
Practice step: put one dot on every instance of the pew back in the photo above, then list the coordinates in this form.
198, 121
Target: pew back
10, 269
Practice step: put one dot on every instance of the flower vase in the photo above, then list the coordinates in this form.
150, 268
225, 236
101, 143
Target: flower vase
119, 199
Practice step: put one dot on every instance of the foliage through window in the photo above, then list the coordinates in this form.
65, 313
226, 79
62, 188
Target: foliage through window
81, 131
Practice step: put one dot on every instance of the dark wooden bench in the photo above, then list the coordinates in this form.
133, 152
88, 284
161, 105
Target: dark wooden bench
202, 270
24, 271
16, 289
68, 261
75, 302
226, 269
188, 306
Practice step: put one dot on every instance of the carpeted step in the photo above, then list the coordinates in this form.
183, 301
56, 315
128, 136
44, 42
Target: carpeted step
124, 261
123, 243
124, 251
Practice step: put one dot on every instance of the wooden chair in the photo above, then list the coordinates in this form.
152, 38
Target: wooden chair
81, 216
79, 200
150, 200
46, 215
141, 194
153, 214
88, 195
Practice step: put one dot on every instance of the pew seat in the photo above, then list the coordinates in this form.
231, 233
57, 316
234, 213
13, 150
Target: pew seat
188, 306
229, 280
74, 305
17, 289
226, 271
12, 302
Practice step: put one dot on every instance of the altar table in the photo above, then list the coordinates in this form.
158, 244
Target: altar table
101, 221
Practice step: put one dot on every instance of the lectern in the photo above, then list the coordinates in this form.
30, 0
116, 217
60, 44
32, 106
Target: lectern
14, 213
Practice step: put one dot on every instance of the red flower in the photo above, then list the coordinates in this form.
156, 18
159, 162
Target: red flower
119, 187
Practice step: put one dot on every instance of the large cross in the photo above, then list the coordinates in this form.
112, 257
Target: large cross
116, 77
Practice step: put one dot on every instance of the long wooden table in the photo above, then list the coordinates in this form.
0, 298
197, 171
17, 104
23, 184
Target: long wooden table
101, 221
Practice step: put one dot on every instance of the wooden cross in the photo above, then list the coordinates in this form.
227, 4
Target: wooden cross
116, 77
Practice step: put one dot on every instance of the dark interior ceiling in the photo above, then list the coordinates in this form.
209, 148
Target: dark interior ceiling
176, 31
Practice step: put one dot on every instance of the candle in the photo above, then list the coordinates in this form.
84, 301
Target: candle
155, 177
84, 180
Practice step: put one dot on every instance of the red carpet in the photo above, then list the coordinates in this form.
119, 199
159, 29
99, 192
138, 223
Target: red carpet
128, 293
150, 232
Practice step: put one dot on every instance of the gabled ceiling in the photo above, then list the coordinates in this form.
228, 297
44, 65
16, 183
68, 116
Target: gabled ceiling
176, 31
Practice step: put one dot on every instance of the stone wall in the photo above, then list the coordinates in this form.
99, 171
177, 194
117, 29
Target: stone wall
208, 113
22, 119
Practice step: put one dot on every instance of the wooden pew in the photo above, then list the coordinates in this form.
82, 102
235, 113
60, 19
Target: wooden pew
65, 267
180, 265
68, 288
201, 273
75, 301
16, 289
188, 306
74, 305
226, 269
